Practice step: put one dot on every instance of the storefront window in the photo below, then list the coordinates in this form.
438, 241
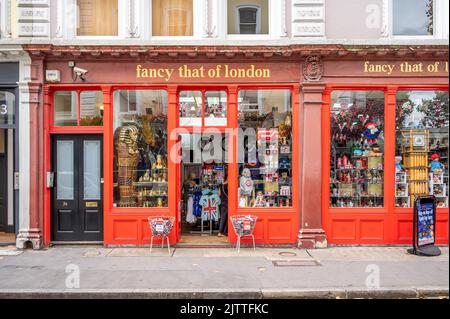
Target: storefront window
422, 146
140, 149
7, 108
216, 108
248, 17
357, 149
98, 18
191, 105
172, 17
65, 108
91, 108
265, 148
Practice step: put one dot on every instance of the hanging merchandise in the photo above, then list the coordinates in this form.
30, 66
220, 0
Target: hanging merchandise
210, 202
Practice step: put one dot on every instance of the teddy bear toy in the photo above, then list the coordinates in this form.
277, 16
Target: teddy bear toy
371, 133
436, 166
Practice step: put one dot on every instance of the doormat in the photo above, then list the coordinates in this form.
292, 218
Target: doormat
9, 252
296, 263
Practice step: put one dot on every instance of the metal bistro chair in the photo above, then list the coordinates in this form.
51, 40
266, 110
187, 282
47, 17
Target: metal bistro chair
161, 227
244, 225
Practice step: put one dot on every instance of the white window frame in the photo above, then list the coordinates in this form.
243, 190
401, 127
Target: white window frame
198, 16
276, 8
258, 17
67, 21
440, 22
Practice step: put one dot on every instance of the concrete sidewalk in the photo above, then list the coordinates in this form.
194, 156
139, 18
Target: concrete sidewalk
339, 272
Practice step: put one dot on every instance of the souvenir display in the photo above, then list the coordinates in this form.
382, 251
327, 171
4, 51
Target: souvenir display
266, 172
357, 149
140, 175
422, 144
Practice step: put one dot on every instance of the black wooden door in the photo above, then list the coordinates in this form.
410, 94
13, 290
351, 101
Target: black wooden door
3, 184
77, 210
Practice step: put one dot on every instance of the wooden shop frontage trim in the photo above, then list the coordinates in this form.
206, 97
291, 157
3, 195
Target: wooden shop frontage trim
123, 127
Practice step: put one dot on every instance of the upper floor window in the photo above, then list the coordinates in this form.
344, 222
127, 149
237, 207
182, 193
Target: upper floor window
413, 17
248, 17
172, 17
98, 18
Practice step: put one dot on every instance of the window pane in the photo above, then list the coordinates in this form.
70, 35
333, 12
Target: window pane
248, 17
265, 148
64, 179
7, 108
172, 17
413, 17
422, 146
357, 149
66, 109
92, 170
216, 108
91, 108
98, 18
140, 152
191, 108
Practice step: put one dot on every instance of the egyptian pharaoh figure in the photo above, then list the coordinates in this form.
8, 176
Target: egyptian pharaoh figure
128, 158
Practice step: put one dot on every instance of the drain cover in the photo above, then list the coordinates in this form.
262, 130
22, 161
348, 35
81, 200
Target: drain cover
295, 263
287, 254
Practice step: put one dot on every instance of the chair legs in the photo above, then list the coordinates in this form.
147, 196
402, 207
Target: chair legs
238, 243
151, 244
162, 243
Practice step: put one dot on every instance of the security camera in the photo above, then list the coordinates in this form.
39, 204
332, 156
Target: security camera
80, 71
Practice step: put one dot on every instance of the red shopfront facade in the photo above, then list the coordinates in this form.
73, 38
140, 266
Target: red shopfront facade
311, 80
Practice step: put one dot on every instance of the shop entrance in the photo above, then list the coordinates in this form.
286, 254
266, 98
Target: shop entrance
204, 191
77, 197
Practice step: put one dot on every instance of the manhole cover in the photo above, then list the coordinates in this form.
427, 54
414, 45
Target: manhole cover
295, 263
287, 254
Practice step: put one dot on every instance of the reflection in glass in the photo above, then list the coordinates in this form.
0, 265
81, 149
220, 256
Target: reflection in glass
248, 17
216, 108
265, 169
91, 108
92, 170
191, 108
140, 148
64, 164
7, 108
413, 17
422, 146
65, 109
357, 149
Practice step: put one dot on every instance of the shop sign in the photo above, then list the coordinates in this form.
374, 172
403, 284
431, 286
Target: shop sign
424, 227
405, 67
218, 71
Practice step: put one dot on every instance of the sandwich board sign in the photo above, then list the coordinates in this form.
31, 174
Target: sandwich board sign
424, 227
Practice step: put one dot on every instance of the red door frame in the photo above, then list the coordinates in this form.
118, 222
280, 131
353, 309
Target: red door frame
389, 215
134, 219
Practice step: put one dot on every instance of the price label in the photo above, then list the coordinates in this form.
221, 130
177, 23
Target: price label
247, 225
159, 228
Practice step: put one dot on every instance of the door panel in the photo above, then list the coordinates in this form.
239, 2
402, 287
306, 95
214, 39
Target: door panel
3, 191
77, 208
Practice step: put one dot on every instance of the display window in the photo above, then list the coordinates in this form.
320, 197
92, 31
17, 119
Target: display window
421, 163
72, 108
357, 149
140, 149
265, 136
